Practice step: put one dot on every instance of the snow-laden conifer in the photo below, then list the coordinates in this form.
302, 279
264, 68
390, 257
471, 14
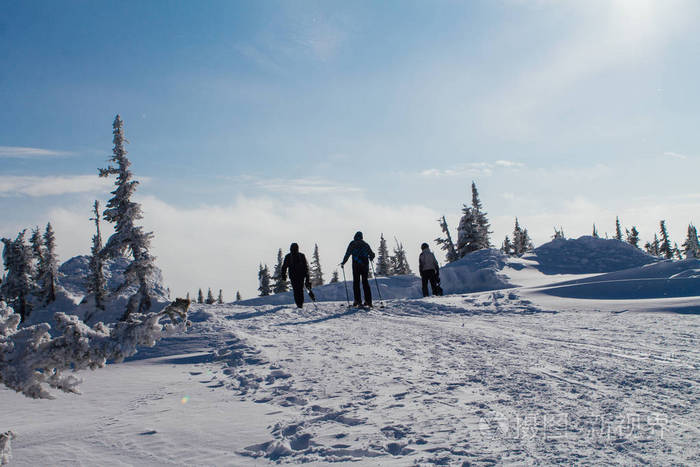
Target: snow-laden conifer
618, 229
559, 233
521, 240
200, 297
665, 248
482, 221
17, 287
468, 234
128, 238
315, 272
383, 259
96, 283
264, 281
507, 246
677, 251
220, 298
399, 262
446, 243
210, 297
37, 244
595, 232
238, 296
653, 248
335, 278
691, 246
633, 237
280, 284
48, 268
31, 359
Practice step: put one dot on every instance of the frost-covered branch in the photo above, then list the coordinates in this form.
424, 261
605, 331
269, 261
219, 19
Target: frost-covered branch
31, 360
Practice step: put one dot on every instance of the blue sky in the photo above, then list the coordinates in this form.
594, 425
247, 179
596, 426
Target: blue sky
255, 124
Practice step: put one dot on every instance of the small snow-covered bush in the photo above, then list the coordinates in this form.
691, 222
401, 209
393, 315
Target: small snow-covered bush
31, 359
6, 447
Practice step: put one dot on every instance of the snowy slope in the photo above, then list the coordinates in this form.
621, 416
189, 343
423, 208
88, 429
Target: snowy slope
484, 378
560, 370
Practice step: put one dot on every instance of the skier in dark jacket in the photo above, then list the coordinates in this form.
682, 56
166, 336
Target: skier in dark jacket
298, 271
361, 254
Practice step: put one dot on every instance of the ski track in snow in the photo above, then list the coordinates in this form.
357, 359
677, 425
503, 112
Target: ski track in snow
482, 378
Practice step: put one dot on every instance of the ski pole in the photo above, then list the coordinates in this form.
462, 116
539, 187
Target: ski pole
376, 282
312, 297
345, 282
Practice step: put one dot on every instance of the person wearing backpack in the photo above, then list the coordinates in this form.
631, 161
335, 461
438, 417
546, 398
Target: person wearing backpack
298, 268
429, 271
361, 254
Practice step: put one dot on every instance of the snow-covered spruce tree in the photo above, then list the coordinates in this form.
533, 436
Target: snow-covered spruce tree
96, 283
279, 284
665, 249
595, 232
559, 233
446, 243
238, 296
507, 246
128, 238
481, 219
618, 229
521, 240
31, 360
383, 258
334, 278
200, 297
264, 281
691, 246
210, 297
633, 237
677, 251
17, 287
37, 244
220, 299
468, 235
653, 248
315, 269
48, 268
399, 263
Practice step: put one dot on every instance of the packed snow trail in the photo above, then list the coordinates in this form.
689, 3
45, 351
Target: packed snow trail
503, 377
481, 378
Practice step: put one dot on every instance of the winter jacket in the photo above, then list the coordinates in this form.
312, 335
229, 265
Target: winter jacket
296, 263
427, 261
360, 251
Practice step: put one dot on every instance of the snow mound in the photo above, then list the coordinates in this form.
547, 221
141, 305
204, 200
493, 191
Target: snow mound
74, 273
586, 255
476, 272
663, 279
71, 295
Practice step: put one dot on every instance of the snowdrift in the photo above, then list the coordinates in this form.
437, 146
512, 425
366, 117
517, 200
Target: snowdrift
586, 255
663, 279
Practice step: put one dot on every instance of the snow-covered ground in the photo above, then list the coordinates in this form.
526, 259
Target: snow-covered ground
541, 371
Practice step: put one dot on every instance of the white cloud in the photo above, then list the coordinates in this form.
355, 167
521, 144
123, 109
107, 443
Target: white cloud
296, 186
675, 155
473, 169
221, 246
13, 185
20, 152
509, 164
